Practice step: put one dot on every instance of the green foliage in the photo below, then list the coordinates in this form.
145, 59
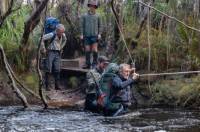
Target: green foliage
183, 33
180, 92
156, 17
31, 80
10, 35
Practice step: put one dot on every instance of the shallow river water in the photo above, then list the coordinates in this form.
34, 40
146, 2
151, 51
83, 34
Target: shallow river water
15, 119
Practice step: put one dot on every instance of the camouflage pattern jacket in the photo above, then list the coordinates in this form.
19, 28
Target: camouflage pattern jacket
93, 77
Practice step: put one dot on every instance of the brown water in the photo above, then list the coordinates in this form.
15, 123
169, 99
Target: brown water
15, 119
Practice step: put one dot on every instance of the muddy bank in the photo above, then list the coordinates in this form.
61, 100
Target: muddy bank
177, 91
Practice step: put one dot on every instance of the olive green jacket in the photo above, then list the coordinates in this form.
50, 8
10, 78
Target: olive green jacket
90, 25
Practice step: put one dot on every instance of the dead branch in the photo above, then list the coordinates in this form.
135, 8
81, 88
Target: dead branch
14, 86
32, 22
21, 85
142, 23
168, 16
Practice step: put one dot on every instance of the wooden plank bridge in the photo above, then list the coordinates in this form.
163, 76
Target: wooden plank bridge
73, 65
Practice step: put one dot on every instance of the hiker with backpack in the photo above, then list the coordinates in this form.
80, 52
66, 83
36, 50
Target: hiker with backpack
53, 50
121, 87
93, 77
90, 29
115, 85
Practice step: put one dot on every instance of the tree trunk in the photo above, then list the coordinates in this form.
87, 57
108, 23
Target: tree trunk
14, 86
144, 19
5, 10
117, 12
196, 7
30, 25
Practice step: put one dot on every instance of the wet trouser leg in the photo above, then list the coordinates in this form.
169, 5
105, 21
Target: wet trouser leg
48, 68
90, 103
57, 80
113, 109
47, 74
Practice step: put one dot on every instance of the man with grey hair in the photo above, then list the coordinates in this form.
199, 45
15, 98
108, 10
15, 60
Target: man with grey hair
121, 87
53, 54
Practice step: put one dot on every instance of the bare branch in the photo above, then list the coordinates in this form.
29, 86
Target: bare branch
41, 82
14, 86
168, 16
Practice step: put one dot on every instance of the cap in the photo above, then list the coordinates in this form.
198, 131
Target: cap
103, 59
93, 3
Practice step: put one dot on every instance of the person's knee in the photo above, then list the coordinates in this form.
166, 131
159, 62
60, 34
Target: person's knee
94, 47
87, 48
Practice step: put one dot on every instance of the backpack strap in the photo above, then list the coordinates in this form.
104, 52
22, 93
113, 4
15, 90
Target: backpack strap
53, 38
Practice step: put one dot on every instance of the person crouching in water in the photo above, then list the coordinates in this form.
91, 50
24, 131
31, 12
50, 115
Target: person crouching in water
53, 54
93, 77
121, 87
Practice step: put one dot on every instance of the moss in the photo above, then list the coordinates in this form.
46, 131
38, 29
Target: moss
31, 81
73, 82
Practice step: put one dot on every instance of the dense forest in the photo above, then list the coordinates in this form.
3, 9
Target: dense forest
159, 36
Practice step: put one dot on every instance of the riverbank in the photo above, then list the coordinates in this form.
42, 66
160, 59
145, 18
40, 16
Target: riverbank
176, 91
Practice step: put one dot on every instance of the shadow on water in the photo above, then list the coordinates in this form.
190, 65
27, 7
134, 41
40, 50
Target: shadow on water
36, 119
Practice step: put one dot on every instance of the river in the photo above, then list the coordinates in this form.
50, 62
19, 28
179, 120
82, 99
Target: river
35, 119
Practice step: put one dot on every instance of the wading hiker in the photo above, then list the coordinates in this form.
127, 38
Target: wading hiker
115, 85
121, 87
90, 27
93, 77
53, 54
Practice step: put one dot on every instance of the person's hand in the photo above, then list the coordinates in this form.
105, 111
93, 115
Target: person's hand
81, 37
44, 51
99, 36
132, 70
135, 76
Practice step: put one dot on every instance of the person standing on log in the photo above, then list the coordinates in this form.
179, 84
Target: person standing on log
53, 54
90, 27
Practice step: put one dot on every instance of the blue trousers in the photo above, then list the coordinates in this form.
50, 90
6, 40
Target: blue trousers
53, 61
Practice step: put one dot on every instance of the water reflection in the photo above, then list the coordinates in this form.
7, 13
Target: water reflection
37, 120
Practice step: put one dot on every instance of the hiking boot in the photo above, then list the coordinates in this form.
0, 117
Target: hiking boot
57, 85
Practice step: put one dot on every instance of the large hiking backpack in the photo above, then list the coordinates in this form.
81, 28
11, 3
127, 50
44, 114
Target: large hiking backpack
50, 27
105, 86
50, 24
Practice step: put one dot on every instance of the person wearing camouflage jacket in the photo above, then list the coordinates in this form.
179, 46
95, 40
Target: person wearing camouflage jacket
93, 77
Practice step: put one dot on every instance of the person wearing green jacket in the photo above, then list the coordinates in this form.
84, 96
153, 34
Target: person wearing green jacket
90, 27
